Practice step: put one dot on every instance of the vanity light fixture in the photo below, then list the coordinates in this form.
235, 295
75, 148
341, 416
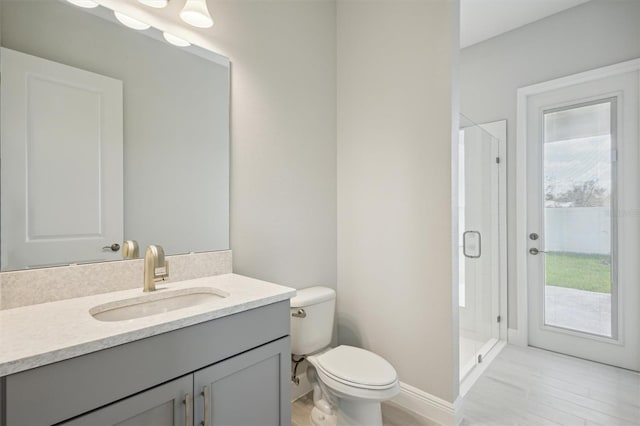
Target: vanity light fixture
88, 4
158, 4
195, 13
175, 40
130, 22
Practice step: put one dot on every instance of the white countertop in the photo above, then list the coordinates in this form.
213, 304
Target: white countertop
36, 335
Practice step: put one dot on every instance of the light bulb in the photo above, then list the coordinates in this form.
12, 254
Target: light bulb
158, 4
89, 4
176, 41
130, 22
195, 13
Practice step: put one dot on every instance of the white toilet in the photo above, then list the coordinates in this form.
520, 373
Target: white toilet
348, 383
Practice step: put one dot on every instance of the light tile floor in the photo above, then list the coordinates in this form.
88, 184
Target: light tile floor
392, 414
528, 386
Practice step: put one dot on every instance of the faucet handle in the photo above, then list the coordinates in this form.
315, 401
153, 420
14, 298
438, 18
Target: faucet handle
165, 274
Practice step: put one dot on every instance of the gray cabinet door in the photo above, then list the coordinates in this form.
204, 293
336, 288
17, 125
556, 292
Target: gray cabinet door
164, 405
250, 389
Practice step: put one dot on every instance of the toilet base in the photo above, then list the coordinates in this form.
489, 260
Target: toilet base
359, 413
321, 418
336, 410
348, 412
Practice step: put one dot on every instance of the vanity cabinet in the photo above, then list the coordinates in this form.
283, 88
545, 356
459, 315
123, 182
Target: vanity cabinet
243, 390
229, 371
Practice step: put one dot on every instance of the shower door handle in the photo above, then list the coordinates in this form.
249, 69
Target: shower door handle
472, 244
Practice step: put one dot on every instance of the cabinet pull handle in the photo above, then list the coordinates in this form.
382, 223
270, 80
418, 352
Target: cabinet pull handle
207, 410
188, 409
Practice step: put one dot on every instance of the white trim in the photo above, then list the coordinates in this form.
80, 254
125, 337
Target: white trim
427, 405
521, 336
521, 218
583, 77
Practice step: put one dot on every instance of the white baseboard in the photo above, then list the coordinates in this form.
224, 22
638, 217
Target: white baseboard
426, 405
515, 337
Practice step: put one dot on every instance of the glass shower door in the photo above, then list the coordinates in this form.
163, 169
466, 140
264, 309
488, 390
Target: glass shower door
478, 211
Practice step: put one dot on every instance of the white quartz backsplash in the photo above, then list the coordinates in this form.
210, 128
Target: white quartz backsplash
34, 286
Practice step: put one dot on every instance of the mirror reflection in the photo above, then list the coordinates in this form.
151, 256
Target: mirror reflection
107, 135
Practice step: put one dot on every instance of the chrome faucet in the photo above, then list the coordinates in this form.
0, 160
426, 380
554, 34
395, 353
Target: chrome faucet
156, 268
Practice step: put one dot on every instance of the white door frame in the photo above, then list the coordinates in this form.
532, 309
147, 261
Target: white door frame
521, 335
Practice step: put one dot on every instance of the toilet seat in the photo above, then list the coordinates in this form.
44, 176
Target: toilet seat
356, 373
357, 367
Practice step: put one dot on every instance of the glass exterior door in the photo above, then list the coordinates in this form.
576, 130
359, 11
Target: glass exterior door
583, 230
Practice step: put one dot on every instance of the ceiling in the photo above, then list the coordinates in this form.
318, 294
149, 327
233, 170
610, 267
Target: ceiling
482, 19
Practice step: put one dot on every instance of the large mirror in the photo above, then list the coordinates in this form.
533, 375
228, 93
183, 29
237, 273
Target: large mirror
108, 134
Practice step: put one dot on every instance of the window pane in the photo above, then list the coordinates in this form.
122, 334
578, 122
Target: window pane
578, 189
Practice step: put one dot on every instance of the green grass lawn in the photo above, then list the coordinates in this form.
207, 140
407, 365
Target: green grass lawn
591, 272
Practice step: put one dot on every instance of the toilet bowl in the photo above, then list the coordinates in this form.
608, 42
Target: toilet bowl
349, 383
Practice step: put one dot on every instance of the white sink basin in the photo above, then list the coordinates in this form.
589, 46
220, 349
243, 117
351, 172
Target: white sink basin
155, 303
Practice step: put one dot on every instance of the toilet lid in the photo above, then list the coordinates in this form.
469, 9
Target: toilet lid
357, 366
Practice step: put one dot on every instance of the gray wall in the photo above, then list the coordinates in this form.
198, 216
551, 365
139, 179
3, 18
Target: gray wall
176, 115
283, 154
396, 65
396, 109
592, 35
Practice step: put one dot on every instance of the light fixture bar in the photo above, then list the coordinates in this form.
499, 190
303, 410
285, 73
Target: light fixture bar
130, 22
175, 40
158, 4
87, 4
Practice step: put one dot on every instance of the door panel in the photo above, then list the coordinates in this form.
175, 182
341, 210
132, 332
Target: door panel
582, 183
61, 163
165, 405
246, 390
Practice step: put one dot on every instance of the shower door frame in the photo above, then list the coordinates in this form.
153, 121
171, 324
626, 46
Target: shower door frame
498, 129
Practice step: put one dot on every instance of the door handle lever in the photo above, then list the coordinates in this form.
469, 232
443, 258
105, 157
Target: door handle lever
534, 251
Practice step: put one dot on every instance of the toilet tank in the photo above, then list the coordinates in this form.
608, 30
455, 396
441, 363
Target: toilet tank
312, 330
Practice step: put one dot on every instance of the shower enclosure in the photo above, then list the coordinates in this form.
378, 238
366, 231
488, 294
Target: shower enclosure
479, 212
